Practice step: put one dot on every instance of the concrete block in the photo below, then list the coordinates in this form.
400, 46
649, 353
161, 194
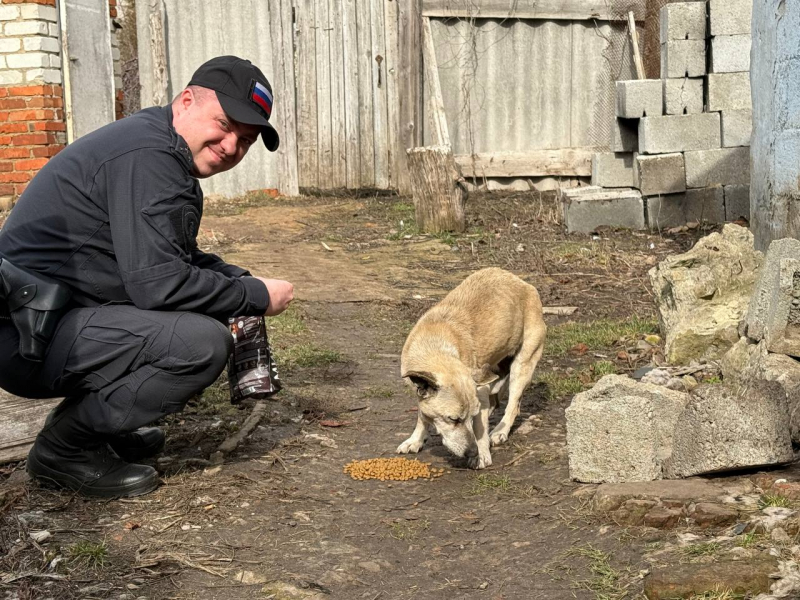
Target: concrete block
586, 211
40, 12
683, 21
730, 53
705, 205
612, 169
44, 44
639, 98
678, 133
683, 58
660, 174
737, 127
9, 13
625, 135
725, 429
737, 202
10, 77
11, 44
621, 430
729, 91
683, 96
730, 17
724, 166
29, 60
664, 212
26, 28
774, 311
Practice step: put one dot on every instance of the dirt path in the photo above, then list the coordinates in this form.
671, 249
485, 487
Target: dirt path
279, 519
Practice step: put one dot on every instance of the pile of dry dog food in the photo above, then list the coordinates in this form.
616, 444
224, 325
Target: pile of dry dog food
391, 469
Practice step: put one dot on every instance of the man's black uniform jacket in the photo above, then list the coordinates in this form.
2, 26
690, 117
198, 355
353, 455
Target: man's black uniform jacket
115, 215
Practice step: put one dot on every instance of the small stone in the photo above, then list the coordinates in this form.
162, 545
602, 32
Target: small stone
689, 382
780, 536
661, 517
707, 514
697, 579
40, 536
370, 566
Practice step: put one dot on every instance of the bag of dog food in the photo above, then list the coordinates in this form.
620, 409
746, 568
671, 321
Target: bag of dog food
251, 369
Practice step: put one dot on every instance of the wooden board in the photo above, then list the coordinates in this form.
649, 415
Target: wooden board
410, 82
397, 162
324, 99
282, 36
440, 131
572, 10
306, 78
380, 97
575, 162
336, 68
366, 133
351, 105
20, 420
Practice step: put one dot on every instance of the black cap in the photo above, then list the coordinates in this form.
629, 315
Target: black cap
243, 92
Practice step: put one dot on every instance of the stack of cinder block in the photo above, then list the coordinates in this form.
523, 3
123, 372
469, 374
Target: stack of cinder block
682, 141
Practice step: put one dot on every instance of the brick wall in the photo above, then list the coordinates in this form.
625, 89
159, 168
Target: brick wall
32, 128
31, 102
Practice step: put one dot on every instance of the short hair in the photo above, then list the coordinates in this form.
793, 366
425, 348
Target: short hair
201, 94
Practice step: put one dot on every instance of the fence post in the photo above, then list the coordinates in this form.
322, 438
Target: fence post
409, 87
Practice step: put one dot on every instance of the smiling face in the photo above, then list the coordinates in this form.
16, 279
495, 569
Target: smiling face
217, 142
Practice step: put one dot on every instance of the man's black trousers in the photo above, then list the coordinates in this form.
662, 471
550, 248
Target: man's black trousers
118, 366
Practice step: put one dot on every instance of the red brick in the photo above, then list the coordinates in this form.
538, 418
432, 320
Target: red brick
15, 152
15, 177
47, 151
7, 103
49, 126
30, 115
112, 13
30, 90
6, 189
30, 165
31, 139
19, 188
6, 166
13, 128
3, 92
5, 140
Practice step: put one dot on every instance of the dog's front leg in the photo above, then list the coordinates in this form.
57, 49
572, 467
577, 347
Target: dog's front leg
417, 440
480, 426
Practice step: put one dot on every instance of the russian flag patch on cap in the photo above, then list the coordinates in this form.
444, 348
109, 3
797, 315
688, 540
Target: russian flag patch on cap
263, 97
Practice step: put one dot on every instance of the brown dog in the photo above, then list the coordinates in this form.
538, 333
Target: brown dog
485, 336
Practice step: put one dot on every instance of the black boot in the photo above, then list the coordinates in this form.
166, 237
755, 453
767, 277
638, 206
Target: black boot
68, 454
137, 445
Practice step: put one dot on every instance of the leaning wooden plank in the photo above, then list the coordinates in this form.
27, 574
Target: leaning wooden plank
339, 172
576, 162
323, 60
397, 161
20, 420
410, 82
441, 134
282, 35
366, 132
572, 10
306, 70
351, 106
380, 106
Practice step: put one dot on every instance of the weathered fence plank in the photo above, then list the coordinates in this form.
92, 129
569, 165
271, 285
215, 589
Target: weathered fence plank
20, 421
284, 107
440, 131
410, 84
366, 118
380, 100
306, 77
351, 106
324, 97
396, 162
576, 162
337, 66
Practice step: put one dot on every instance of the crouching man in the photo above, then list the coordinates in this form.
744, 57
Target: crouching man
105, 298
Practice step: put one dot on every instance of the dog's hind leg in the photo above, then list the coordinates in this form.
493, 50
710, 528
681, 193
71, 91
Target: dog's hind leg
417, 440
520, 377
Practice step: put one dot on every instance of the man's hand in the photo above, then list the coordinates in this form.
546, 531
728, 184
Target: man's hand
281, 293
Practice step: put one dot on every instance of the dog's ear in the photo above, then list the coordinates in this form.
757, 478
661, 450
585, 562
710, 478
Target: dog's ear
484, 375
424, 382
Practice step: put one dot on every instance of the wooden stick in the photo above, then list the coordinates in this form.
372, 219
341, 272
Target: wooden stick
637, 57
230, 444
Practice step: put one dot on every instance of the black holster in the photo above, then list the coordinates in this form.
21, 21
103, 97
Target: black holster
35, 303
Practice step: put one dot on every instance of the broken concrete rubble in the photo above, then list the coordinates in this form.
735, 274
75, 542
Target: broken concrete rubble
724, 429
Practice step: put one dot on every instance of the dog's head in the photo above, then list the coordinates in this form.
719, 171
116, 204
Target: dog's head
448, 397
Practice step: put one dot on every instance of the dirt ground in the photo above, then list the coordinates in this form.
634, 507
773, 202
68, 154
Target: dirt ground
279, 518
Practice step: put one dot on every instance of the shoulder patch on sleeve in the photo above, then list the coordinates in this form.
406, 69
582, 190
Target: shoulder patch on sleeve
185, 222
